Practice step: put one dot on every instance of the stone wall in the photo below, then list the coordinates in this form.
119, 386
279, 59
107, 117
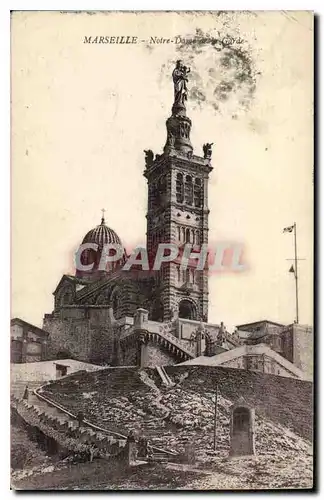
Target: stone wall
236, 363
259, 363
83, 332
155, 355
271, 366
303, 348
101, 344
68, 336
130, 356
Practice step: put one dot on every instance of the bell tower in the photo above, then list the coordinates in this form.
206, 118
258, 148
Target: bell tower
177, 211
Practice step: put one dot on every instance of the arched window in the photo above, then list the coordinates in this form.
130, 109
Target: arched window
197, 193
187, 309
187, 240
179, 188
188, 190
179, 233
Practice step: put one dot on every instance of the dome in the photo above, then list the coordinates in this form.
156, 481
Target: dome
102, 235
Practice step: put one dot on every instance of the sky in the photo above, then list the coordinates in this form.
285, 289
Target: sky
82, 114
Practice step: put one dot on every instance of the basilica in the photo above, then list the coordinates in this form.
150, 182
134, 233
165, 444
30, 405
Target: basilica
155, 318
94, 311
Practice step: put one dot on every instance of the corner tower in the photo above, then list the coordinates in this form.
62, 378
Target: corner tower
178, 211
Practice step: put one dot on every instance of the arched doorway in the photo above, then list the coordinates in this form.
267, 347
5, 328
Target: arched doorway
242, 435
187, 309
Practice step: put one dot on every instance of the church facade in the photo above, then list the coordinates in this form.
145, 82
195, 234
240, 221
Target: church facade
96, 317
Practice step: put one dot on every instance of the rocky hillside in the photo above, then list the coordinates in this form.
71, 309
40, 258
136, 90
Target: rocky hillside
122, 399
281, 400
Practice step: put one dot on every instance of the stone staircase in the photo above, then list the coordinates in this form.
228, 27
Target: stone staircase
52, 417
127, 403
63, 427
164, 376
179, 344
17, 388
179, 348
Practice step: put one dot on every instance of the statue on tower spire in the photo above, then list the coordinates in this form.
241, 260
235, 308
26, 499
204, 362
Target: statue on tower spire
178, 124
180, 79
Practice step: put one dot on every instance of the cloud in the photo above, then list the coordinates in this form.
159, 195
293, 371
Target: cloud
224, 71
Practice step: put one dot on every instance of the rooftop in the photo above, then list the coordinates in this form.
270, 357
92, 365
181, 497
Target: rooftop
23, 323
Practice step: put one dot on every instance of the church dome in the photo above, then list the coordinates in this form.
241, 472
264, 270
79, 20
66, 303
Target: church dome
100, 235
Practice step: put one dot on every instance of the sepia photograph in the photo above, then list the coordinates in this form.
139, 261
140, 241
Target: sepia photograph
162, 250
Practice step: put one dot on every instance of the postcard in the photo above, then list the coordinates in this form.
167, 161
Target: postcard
162, 250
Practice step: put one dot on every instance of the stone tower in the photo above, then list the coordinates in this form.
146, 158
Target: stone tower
178, 211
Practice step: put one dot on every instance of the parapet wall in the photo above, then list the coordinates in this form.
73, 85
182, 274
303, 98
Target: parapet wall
67, 433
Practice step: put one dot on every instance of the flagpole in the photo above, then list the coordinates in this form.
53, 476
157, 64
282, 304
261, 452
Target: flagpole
296, 271
215, 417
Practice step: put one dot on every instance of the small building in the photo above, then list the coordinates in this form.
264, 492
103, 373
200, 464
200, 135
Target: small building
28, 343
293, 342
265, 331
61, 369
44, 371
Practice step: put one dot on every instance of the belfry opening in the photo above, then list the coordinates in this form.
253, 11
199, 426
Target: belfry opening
187, 310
